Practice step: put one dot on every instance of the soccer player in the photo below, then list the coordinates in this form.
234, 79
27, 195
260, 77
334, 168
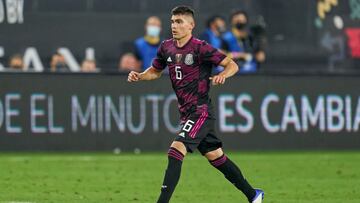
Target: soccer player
190, 61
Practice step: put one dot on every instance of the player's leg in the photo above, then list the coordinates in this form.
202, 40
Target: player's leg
176, 155
220, 161
211, 148
188, 139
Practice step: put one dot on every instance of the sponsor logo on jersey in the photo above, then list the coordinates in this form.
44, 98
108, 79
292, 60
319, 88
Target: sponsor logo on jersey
189, 59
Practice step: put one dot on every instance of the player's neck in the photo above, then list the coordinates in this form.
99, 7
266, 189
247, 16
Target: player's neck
181, 42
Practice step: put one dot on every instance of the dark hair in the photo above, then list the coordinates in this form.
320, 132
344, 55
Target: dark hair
239, 12
183, 10
213, 19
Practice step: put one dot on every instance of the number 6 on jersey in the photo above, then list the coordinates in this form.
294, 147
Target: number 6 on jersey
178, 72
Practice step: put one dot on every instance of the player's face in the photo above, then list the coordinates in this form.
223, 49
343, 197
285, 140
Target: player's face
181, 26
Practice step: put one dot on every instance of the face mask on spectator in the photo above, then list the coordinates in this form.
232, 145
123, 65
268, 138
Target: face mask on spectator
153, 31
240, 26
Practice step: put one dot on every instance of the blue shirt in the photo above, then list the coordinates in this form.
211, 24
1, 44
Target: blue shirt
145, 52
211, 38
233, 45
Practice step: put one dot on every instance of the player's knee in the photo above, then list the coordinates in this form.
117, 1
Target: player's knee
215, 154
179, 146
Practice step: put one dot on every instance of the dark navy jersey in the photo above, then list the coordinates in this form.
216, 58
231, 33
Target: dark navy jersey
190, 67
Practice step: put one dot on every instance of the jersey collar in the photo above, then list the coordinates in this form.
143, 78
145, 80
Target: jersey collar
174, 41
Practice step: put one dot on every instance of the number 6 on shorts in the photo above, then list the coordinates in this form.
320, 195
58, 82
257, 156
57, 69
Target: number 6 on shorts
188, 125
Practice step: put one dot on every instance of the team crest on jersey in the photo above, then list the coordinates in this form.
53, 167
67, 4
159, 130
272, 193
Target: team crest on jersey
189, 59
178, 58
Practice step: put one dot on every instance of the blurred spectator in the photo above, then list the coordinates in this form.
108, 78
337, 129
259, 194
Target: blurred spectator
244, 45
215, 27
16, 63
88, 66
58, 63
146, 47
128, 62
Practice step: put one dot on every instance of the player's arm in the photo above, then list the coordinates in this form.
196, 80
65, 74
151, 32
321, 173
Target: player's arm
149, 74
230, 69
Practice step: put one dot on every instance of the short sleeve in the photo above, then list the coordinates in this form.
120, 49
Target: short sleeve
210, 54
159, 61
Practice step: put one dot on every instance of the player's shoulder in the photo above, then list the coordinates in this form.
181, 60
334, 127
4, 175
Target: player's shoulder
195, 40
167, 42
200, 44
198, 41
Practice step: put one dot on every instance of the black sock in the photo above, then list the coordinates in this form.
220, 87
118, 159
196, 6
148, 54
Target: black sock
172, 175
234, 175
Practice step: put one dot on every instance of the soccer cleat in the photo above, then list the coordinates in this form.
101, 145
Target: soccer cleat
258, 197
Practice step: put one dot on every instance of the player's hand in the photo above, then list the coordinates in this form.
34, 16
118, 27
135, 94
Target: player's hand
218, 80
133, 76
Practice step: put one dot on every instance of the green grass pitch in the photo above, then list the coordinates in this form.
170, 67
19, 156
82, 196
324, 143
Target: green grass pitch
291, 177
